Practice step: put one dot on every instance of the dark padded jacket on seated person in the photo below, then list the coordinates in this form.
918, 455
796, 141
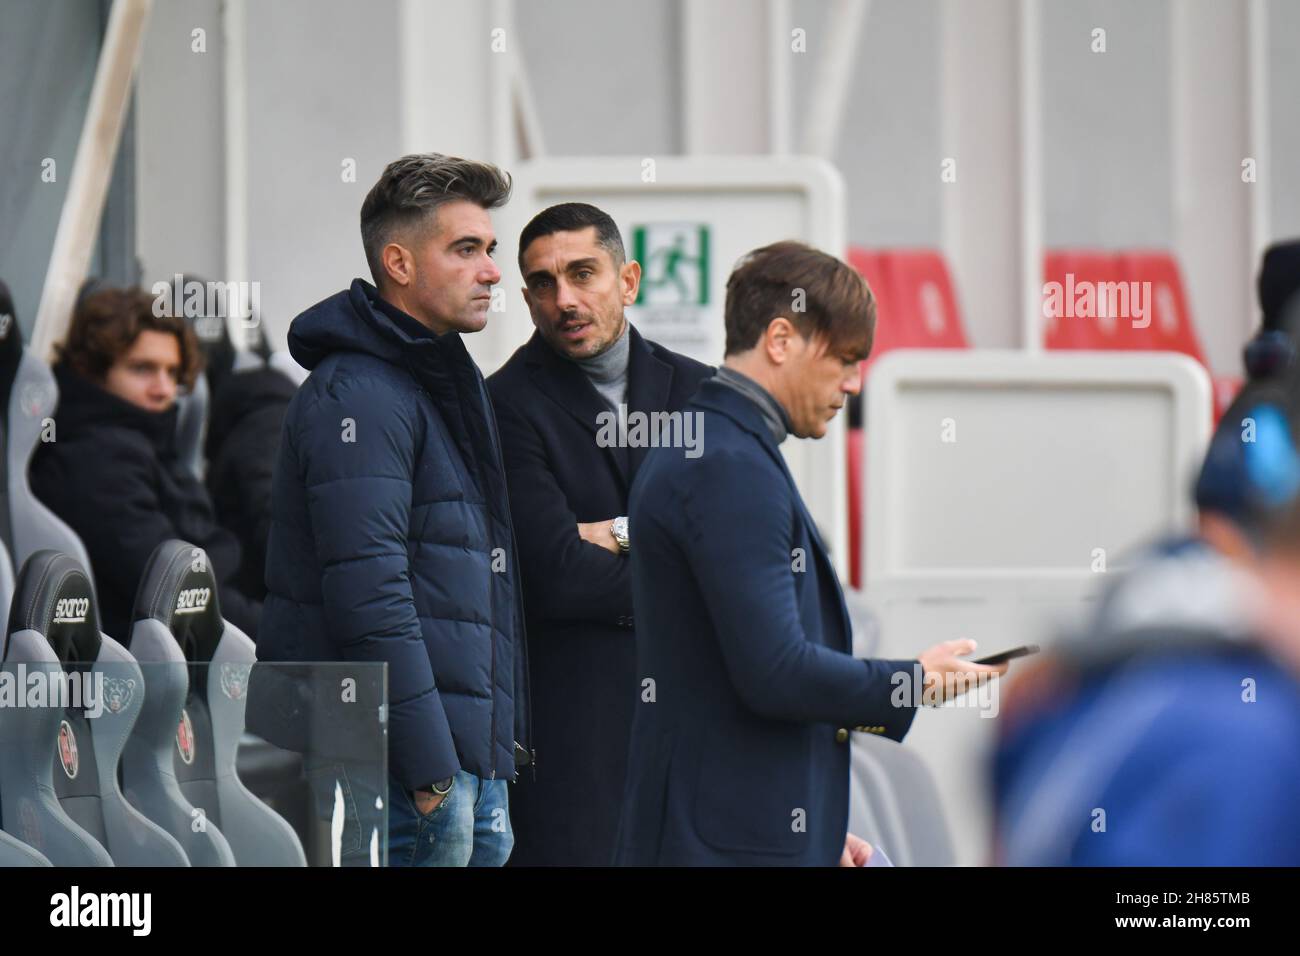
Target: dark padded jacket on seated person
113, 475
391, 538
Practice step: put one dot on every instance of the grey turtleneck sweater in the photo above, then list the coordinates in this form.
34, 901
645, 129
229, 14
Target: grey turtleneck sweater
608, 370
774, 414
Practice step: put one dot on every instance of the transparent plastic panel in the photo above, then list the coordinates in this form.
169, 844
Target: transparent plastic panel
224, 763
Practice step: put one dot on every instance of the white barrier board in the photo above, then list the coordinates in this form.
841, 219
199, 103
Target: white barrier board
1002, 489
991, 465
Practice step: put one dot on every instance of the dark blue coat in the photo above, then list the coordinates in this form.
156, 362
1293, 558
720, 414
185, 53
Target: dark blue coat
578, 596
739, 750
382, 547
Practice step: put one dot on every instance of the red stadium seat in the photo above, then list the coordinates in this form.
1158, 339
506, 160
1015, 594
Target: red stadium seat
1078, 309
871, 266
857, 451
1165, 326
922, 290
916, 306
1171, 327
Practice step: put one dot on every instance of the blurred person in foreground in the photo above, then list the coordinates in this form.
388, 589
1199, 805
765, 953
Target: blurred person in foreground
1168, 732
112, 472
740, 741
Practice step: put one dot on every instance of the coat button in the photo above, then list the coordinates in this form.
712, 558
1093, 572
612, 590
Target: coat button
841, 736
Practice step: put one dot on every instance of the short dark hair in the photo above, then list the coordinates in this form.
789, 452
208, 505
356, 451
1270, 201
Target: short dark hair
105, 324
824, 298
572, 217
416, 185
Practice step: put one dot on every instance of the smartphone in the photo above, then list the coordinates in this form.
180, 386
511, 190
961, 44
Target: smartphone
1022, 651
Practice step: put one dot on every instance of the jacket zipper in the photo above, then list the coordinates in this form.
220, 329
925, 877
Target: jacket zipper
492, 651
518, 602
495, 442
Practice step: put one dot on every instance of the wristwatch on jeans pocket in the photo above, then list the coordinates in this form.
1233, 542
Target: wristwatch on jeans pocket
440, 789
619, 530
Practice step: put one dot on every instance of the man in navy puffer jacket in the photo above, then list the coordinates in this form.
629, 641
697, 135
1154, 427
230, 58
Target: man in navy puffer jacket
391, 538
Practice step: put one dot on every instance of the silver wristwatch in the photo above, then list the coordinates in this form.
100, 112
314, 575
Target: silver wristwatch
439, 789
620, 533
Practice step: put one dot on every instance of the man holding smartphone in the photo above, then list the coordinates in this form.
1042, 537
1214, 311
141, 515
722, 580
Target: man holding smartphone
740, 755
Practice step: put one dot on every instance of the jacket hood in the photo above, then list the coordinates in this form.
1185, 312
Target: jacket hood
86, 407
347, 322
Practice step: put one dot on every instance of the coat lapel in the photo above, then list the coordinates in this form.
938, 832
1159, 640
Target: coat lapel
649, 383
567, 385
826, 571
742, 411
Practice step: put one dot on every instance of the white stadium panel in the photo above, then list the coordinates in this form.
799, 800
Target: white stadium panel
990, 465
688, 220
1002, 489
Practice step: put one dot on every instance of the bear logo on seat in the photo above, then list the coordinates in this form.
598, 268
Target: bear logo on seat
37, 399
234, 680
118, 692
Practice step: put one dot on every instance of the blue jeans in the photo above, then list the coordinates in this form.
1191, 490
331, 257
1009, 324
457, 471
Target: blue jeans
348, 802
470, 827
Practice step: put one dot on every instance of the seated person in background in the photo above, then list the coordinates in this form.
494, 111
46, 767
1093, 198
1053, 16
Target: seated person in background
112, 472
244, 421
1168, 733
247, 402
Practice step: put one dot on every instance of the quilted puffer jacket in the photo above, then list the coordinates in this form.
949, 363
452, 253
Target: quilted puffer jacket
391, 537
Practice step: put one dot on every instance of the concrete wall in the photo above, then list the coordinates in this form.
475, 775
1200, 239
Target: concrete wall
607, 87
180, 143
931, 78
323, 84
888, 147
1106, 118
979, 62
1283, 117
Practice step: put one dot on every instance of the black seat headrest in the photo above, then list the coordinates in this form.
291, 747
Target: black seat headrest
179, 590
54, 598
